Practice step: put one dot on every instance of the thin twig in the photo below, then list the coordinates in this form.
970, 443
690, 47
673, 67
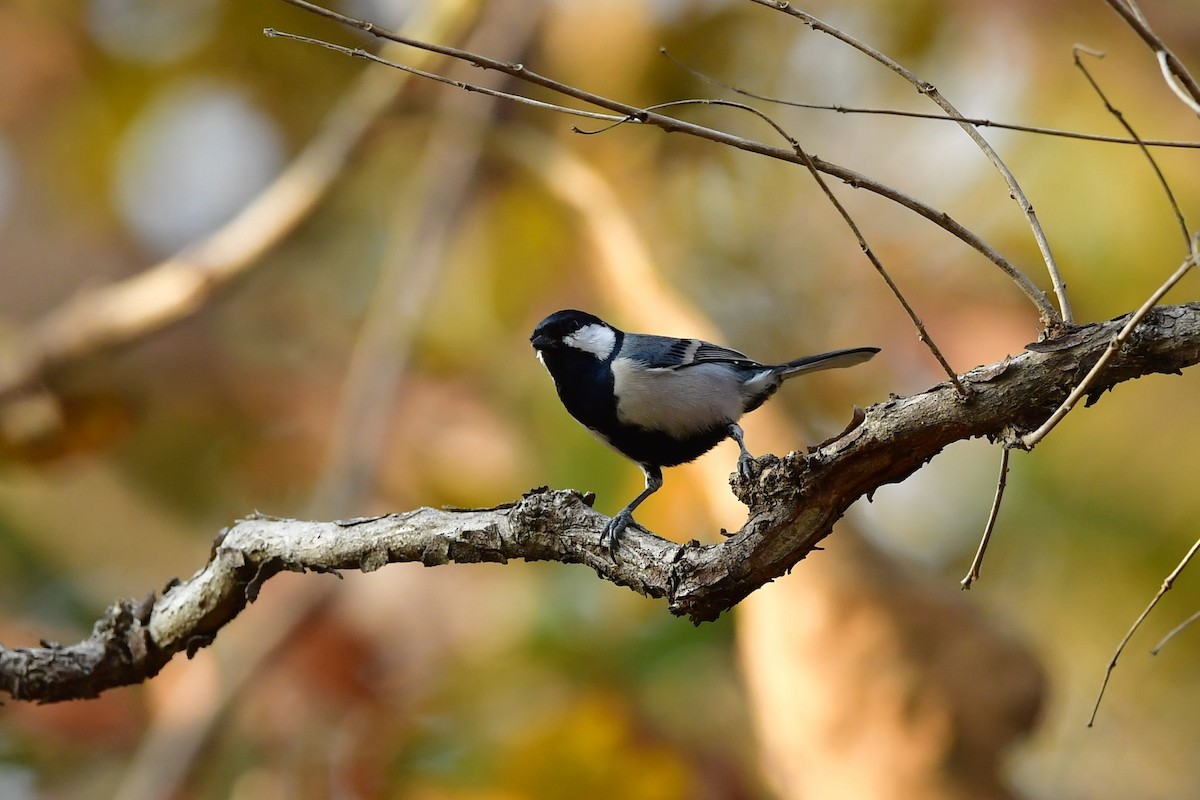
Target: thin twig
1192, 260
977, 562
358, 52
1178, 629
895, 112
930, 91
922, 333
1136, 10
1184, 85
694, 101
1162, 590
1116, 113
1049, 316
1164, 64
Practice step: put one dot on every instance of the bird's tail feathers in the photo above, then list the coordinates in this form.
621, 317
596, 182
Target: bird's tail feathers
835, 359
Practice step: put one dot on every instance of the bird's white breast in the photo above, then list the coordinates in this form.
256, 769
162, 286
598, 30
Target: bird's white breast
678, 402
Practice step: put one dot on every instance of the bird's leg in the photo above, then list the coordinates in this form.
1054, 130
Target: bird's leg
617, 525
745, 465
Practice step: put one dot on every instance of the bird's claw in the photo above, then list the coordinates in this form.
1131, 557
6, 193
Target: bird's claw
747, 467
610, 536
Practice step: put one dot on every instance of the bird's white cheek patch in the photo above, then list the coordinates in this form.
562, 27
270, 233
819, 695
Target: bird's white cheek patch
599, 340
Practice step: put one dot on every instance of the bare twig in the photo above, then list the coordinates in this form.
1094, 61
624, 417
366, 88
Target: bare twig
930, 91
1116, 113
977, 562
1164, 64
358, 52
1178, 629
1049, 317
1179, 79
922, 333
694, 101
1162, 590
792, 507
895, 112
1192, 260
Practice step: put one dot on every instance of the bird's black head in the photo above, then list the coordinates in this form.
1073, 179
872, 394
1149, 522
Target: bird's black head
577, 349
572, 333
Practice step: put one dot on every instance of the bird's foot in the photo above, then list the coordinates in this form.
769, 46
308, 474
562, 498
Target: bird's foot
612, 531
747, 467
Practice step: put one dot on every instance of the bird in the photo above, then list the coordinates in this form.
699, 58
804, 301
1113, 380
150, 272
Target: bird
661, 401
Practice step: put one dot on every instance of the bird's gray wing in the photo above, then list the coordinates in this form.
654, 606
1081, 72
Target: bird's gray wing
664, 352
707, 352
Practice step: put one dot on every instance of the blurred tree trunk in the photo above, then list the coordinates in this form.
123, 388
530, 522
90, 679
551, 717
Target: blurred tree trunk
868, 680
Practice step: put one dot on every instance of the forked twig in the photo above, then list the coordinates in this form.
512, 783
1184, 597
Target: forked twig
930, 91
896, 112
1049, 316
1162, 590
1179, 79
977, 562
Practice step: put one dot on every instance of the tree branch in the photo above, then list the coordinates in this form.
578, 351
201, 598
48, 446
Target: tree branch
793, 503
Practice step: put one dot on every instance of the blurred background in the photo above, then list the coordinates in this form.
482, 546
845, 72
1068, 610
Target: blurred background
326, 275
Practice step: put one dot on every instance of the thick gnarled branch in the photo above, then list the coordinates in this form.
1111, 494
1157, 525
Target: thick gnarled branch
793, 504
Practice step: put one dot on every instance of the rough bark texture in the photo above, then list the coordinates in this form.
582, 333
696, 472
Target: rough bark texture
793, 504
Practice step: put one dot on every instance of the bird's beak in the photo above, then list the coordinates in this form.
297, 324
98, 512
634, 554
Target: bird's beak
541, 341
